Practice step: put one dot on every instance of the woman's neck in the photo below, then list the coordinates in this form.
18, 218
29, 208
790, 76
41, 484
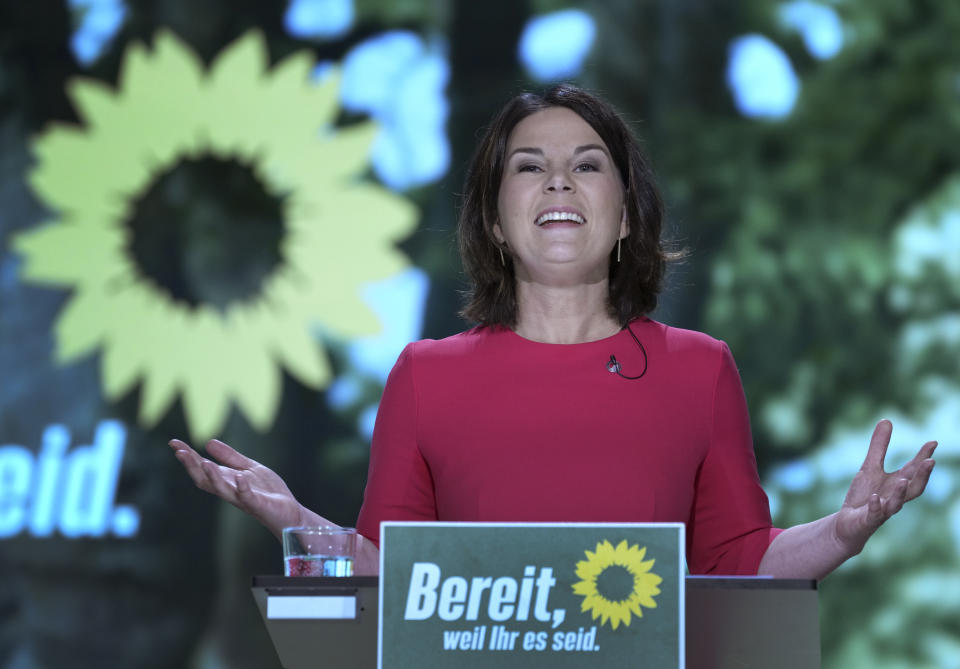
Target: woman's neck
563, 315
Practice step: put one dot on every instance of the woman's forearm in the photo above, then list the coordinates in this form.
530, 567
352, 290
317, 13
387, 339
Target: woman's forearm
811, 550
367, 562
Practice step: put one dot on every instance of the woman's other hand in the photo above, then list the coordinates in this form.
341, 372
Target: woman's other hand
875, 495
243, 482
815, 549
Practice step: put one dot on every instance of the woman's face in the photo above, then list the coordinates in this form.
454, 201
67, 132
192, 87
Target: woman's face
561, 201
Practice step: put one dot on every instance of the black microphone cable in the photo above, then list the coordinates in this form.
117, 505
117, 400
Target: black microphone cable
613, 366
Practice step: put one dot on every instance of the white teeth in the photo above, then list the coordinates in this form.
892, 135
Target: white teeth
560, 216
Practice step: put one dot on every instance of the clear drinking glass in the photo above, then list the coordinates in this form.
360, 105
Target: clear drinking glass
319, 551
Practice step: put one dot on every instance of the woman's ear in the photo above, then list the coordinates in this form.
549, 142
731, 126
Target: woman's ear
498, 233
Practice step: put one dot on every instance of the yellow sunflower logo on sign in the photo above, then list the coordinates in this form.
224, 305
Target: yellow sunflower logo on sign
141, 244
616, 583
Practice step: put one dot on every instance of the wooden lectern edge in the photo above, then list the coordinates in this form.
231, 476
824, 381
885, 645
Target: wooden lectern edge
691, 581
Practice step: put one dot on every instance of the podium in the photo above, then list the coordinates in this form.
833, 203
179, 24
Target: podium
741, 623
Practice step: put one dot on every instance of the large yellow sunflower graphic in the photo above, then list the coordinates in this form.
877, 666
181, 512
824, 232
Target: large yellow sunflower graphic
616, 582
155, 314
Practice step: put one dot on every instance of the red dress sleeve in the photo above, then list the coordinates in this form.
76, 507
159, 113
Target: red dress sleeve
731, 528
399, 484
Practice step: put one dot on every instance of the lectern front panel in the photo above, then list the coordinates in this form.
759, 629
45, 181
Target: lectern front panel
741, 623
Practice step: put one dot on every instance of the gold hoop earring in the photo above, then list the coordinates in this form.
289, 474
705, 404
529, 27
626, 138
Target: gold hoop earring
618, 250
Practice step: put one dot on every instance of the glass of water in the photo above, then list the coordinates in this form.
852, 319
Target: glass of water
319, 551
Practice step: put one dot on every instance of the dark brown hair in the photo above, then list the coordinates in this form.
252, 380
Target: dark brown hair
634, 282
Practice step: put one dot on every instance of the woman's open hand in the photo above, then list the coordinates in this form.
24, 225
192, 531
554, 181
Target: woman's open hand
243, 482
875, 495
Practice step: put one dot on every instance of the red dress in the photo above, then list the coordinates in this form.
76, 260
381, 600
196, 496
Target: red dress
488, 426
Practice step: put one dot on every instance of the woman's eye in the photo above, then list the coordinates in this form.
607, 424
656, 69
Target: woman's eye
529, 168
586, 167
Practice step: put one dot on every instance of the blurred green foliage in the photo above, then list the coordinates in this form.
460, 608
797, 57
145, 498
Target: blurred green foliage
833, 271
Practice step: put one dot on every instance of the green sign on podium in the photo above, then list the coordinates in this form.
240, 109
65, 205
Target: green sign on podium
555, 595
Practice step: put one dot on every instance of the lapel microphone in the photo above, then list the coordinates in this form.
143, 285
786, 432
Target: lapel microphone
614, 367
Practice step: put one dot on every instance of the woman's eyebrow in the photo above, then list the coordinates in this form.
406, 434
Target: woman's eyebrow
589, 147
539, 152
525, 149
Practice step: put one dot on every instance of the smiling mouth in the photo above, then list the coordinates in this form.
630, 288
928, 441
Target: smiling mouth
559, 216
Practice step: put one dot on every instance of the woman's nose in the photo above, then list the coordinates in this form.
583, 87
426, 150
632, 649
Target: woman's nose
558, 181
